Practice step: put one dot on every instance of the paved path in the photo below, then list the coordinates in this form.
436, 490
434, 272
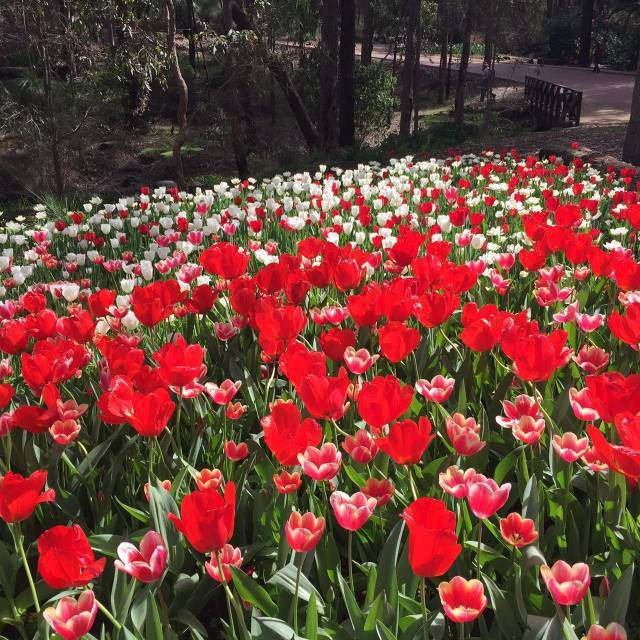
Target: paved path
606, 97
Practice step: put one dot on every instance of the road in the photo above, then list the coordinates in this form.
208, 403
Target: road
606, 96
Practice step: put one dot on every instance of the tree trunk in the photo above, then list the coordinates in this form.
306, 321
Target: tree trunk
408, 71
346, 78
631, 149
416, 71
192, 34
281, 76
367, 32
584, 57
490, 32
458, 114
328, 74
183, 92
449, 65
443, 22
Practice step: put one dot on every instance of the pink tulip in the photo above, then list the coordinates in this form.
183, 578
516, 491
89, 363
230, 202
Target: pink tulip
485, 497
591, 359
439, 389
148, 563
528, 429
582, 405
71, 619
352, 512
523, 406
455, 481
303, 531
236, 452
464, 434
321, 464
613, 631
360, 361
589, 323
569, 447
462, 600
361, 447
229, 557
64, 431
224, 393
567, 584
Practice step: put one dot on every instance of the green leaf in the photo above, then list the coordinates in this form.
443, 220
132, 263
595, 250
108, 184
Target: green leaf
252, 592
568, 631
355, 614
530, 505
615, 608
161, 503
153, 625
311, 629
506, 464
387, 565
286, 578
271, 629
504, 610
185, 617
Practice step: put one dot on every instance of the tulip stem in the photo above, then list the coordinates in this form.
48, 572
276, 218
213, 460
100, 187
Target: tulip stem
108, 615
423, 603
461, 631
350, 560
234, 603
295, 596
479, 551
17, 538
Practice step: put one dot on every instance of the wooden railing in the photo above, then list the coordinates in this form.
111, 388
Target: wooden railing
553, 104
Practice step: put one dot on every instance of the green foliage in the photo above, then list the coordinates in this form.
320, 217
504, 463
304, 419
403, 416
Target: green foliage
375, 99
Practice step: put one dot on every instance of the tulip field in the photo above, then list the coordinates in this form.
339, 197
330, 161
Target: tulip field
392, 402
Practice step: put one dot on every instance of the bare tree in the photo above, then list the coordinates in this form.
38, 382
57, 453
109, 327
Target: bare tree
458, 114
367, 32
329, 73
183, 91
346, 77
631, 148
408, 68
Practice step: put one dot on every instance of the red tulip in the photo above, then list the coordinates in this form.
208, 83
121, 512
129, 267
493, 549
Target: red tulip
335, 342
72, 619
621, 459
303, 531
612, 392
156, 301
226, 260
64, 431
287, 435
397, 341
236, 451
567, 584
361, 447
517, 530
381, 490
407, 441
627, 327
19, 496
180, 363
66, 558
462, 600
287, 482
383, 400
324, 397
433, 543
6, 393
207, 518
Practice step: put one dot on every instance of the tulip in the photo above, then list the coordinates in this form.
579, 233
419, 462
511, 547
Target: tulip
567, 584
287, 482
613, 631
464, 434
462, 600
224, 393
303, 531
518, 531
71, 619
361, 447
207, 518
208, 479
20, 496
228, 557
64, 431
456, 482
407, 440
352, 512
439, 389
485, 497
528, 429
360, 361
582, 405
165, 484
321, 464
236, 452
381, 490
569, 447
146, 564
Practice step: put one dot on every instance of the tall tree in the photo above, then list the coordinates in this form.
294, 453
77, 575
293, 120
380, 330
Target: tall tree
346, 78
443, 25
408, 67
367, 32
458, 114
631, 148
183, 91
489, 31
329, 73
586, 25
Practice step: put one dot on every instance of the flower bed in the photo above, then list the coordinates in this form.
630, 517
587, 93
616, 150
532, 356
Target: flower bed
391, 402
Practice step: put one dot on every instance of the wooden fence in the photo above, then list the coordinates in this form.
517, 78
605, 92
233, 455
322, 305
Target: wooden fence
553, 104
